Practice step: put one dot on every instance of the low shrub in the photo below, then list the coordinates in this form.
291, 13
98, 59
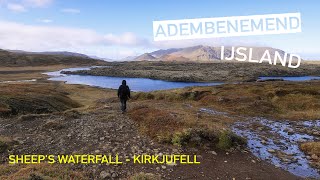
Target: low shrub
227, 140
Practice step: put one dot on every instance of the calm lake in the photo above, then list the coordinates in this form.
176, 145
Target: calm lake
135, 84
140, 84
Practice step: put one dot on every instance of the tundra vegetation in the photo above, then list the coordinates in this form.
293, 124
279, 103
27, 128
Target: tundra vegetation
53, 117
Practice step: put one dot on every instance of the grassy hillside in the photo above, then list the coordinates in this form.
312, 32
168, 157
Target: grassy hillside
36, 98
13, 59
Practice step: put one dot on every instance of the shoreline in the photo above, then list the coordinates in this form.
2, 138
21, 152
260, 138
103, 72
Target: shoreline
198, 72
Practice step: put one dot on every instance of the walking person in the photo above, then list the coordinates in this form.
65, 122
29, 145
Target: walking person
124, 95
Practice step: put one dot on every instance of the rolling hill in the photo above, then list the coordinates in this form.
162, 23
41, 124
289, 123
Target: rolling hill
22, 58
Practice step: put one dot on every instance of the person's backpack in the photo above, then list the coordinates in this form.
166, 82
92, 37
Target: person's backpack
124, 91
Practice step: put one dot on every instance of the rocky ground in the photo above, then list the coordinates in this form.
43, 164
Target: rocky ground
100, 128
93, 133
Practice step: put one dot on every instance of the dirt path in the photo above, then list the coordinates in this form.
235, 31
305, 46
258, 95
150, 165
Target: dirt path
234, 165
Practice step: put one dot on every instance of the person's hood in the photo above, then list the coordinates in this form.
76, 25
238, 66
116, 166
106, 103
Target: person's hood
124, 82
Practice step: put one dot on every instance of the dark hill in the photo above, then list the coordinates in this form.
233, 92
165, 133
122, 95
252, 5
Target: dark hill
15, 59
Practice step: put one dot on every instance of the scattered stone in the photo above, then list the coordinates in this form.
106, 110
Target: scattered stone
213, 152
301, 140
114, 175
315, 157
171, 164
271, 151
163, 167
260, 128
104, 175
316, 133
308, 157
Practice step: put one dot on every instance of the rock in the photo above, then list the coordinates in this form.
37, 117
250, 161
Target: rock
104, 175
290, 132
245, 151
260, 128
171, 164
276, 142
163, 167
213, 152
114, 175
308, 157
271, 151
315, 157
253, 161
316, 133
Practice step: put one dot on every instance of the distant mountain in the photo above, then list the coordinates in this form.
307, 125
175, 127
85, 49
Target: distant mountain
23, 58
129, 58
145, 57
199, 53
202, 53
100, 58
163, 52
169, 57
63, 53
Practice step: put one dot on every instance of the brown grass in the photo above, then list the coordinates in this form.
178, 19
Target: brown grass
176, 124
153, 120
311, 148
27, 72
33, 98
281, 100
44, 171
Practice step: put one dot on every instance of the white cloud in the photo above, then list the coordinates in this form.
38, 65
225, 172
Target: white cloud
23, 5
51, 38
37, 3
16, 7
127, 39
45, 20
70, 10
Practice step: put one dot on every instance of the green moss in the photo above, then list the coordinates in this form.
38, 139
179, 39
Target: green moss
180, 138
224, 141
227, 140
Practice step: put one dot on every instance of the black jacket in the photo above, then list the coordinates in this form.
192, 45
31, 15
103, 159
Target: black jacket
124, 92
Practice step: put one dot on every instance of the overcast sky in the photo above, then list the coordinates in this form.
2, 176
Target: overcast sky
117, 28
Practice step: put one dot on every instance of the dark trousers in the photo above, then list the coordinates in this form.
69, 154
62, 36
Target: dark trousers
123, 104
